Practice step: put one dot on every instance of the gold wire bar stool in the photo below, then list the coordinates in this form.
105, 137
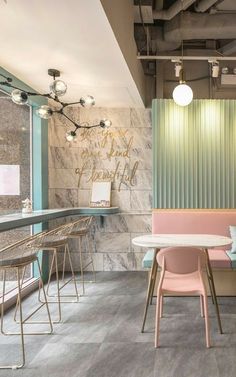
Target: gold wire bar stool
54, 241
81, 231
17, 257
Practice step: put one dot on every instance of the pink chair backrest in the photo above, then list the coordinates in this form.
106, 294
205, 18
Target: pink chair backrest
181, 260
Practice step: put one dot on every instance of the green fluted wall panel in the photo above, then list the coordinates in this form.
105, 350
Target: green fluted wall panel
194, 154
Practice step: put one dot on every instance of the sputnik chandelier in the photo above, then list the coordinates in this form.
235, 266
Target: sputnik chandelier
58, 89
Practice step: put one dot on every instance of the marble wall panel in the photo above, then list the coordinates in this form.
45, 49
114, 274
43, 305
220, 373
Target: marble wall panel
128, 140
67, 158
123, 261
112, 224
97, 261
141, 200
120, 117
59, 198
62, 178
121, 199
112, 242
141, 118
143, 156
141, 223
142, 137
142, 180
84, 198
128, 223
57, 132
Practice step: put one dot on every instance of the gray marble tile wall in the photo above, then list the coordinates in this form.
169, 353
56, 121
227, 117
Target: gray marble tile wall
124, 153
14, 150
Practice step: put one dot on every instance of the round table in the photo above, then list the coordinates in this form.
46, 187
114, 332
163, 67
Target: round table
159, 241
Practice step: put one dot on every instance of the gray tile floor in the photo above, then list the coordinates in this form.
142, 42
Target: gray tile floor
100, 336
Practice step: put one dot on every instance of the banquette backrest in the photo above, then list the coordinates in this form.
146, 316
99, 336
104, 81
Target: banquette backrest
191, 221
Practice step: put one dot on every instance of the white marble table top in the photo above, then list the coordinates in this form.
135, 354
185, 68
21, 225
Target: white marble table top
194, 240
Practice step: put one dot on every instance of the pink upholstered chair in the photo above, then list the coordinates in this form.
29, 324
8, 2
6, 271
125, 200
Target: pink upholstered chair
182, 273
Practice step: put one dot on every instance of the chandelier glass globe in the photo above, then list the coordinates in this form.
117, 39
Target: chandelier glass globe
44, 112
105, 123
182, 94
19, 97
87, 101
71, 136
58, 87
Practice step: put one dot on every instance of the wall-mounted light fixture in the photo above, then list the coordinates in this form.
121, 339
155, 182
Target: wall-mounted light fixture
58, 89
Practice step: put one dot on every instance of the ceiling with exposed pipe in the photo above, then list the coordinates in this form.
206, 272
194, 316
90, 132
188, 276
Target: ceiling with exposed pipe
203, 25
200, 33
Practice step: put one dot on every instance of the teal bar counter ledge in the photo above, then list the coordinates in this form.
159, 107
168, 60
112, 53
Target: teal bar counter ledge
16, 220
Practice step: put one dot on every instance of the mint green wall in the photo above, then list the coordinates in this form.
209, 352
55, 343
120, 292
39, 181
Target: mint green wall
194, 154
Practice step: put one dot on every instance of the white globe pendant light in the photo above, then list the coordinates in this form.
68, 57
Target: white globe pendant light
182, 94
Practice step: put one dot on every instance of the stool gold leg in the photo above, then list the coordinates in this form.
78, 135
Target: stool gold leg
3, 300
50, 272
16, 366
17, 302
21, 321
81, 264
58, 289
72, 272
45, 298
91, 256
64, 263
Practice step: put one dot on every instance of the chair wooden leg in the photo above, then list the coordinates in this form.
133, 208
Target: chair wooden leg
202, 306
161, 306
158, 317
154, 281
206, 320
151, 281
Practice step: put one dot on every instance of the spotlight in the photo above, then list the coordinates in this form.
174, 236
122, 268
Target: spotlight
215, 68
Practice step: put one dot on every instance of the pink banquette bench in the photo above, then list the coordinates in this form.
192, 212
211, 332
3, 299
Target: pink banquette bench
203, 221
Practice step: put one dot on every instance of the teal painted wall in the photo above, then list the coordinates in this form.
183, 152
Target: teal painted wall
194, 154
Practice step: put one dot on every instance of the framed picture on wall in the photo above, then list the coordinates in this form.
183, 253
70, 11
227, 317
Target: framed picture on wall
101, 194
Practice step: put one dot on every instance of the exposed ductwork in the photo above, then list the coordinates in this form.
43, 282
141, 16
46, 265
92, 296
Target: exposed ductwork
159, 44
192, 26
228, 49
171, 12
204, 5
